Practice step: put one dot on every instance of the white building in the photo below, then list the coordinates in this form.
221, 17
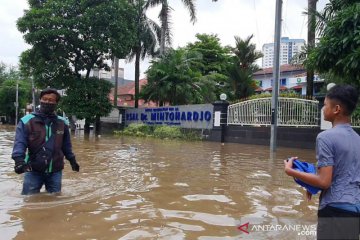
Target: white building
107, 75
291, 78
288, 49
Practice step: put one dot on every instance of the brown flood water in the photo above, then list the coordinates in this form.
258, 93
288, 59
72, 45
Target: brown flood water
144, 188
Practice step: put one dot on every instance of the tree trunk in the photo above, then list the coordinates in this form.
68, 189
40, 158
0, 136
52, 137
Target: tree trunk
311, 44
87, 127
137, 77
97, 126
164, 27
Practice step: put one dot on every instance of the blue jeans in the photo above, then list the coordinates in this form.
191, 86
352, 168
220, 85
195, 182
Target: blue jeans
33, 182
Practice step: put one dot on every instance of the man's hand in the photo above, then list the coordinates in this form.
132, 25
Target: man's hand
21, 166
74, 165
288, 164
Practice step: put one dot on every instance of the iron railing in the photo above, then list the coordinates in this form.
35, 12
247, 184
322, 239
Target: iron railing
291, 112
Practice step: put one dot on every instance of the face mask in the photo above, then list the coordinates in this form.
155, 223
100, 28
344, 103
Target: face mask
47, 108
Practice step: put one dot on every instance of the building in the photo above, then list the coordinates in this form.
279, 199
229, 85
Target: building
292, 78
126, 95
288, 49
110, 75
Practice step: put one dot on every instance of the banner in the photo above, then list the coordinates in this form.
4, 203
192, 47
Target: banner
185, 116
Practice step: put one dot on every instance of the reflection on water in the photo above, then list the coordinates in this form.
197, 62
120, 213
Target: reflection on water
136, 188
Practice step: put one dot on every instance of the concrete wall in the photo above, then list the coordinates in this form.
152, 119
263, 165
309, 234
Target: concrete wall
304, 138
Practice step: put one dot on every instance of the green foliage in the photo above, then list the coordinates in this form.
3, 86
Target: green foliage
356, 113
139, 130
214, 62
289, 94
215, 58
175, 79
87, 98
8, 78
242, 68
70, 36
201, 71
163, 132
338, 52
167, 132
147, 36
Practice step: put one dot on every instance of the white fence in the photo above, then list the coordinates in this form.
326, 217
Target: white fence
291, 112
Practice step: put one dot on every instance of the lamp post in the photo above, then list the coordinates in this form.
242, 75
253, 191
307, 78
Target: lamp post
276, 73
223, 117
116, 72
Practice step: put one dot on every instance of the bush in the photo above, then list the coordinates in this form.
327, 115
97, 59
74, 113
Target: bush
287, 94
142, 130
167, 132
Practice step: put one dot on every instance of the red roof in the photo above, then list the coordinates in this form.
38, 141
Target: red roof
259, 89
297, 87
126, 95
283, 68
282, 88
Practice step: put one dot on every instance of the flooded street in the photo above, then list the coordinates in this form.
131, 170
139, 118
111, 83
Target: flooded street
145, 188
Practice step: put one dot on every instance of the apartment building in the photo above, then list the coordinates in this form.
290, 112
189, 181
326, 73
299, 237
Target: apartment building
288, 49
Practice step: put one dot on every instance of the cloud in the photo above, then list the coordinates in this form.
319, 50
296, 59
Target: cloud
11, 40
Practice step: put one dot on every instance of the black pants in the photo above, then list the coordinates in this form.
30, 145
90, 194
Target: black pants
335, 223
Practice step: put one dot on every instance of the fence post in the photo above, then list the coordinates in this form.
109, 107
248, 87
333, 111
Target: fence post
121, 120
322, 123
220, 120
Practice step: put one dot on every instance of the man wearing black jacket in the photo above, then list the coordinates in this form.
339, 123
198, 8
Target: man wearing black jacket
42, 140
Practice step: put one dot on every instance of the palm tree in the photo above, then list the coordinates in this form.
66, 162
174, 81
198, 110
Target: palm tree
329, 12
240, 73
176, 80
311, 44
147, 37
165, 16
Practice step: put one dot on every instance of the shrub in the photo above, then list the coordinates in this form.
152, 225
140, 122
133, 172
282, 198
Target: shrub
167, 132
142, 130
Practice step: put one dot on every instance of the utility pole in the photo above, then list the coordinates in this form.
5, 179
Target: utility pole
116, 70
33, 94
311, 45
276, 74
17, 102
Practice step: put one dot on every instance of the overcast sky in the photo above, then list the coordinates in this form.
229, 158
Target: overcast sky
226, 18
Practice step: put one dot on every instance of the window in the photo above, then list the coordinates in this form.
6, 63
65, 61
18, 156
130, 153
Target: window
283, 82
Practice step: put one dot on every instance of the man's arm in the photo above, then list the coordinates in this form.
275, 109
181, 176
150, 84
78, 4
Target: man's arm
19, 150
322, 179
67, 147
67, 150
20, 143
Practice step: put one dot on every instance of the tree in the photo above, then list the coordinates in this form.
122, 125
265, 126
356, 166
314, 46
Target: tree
69, 37
243, 67
147, 35
175, 79
9, 76
338, 51
165, 17
87, 99
215, 60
